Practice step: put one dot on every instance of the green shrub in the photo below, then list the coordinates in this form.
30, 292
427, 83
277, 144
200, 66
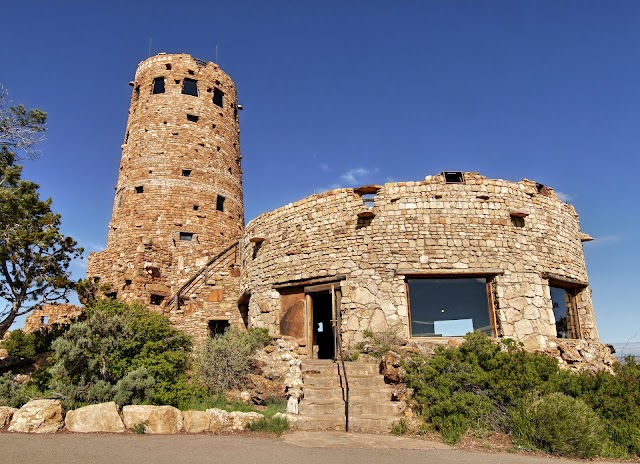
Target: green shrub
15, 395
121, 353
276, 425
400, 428
560, 425
20, 344
224, 362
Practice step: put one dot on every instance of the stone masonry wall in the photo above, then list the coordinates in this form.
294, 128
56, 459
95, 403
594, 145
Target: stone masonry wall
519, 233
178, 200
50, 314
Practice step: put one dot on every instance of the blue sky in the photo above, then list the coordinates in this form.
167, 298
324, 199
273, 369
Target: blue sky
344, 93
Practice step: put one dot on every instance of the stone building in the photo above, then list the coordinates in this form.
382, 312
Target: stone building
429, 260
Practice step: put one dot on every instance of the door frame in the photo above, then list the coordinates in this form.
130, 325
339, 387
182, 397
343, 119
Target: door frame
336, 296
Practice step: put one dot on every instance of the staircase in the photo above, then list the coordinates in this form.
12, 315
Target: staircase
323, 406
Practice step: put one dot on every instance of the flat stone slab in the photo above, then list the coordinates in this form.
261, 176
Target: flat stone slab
102, 417
328, 439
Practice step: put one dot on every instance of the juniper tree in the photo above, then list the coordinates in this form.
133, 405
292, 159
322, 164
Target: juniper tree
34, 254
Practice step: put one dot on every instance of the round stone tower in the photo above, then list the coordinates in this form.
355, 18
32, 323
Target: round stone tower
178, 200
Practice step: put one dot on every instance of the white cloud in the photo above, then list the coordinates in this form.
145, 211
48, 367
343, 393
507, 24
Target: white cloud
354, 176
325, 168
564, 196
606, 239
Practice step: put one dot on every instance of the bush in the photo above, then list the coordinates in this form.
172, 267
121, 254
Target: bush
483, 385
121, 353
20, 344
225, 361
559, 424
13, 394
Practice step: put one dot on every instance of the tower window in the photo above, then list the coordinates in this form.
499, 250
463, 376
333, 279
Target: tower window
186, 172
186, 236
220, 203
218, 97
196, 207
190, 87
453, 177
158, 85
139, 189
168, 66
191, 73
156, 299
192, 118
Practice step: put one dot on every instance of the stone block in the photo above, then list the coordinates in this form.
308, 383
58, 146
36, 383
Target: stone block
102, 417
38, 416
195, 421
157, 419
6, 413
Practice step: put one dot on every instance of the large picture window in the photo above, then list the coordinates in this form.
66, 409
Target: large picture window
448, 307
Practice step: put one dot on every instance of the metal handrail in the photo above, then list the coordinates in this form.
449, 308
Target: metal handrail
338, 340
198, 274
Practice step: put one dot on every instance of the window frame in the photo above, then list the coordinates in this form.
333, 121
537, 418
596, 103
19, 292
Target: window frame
489, 280
574, 328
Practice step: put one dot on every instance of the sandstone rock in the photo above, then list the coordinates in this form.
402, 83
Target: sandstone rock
195, 421
3, 353
219, 420
390, 367
95, 418
240, 420
38, 416
158, 419
6, 413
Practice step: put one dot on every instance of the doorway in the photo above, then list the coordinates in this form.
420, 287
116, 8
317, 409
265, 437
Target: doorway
323, 336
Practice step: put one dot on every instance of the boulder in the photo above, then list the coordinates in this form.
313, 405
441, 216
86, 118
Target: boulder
95, 418
157, 419
195, 421
38, 416
219, 420
240, 420
6, 413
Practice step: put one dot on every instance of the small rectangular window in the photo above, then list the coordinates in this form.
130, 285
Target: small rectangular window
563, 301
186, 172
453, 177
220, 203
190, 87
44, 320
218, 327
218, 97
196, 207
186, 236
158, 85
139, 189
192, 118
156, 299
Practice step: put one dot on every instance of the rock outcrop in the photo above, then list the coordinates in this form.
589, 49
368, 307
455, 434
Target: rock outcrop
6, 413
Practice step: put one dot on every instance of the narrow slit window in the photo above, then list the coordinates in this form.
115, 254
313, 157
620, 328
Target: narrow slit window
139, 189
158, 85
190, 87
186, 236
192, 117
218, 97
186, 173
220, 203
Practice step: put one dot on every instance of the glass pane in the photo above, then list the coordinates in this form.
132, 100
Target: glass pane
190, 87
559, 301
448, 307
158, 85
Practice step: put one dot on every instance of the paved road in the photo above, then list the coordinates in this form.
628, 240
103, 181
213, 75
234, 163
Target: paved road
293, 448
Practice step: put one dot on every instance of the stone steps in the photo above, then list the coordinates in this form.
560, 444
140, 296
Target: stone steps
323, 407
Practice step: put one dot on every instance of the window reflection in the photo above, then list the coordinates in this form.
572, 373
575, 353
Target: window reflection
448, 307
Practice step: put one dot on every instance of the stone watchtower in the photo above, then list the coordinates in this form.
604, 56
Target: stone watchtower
178, 208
